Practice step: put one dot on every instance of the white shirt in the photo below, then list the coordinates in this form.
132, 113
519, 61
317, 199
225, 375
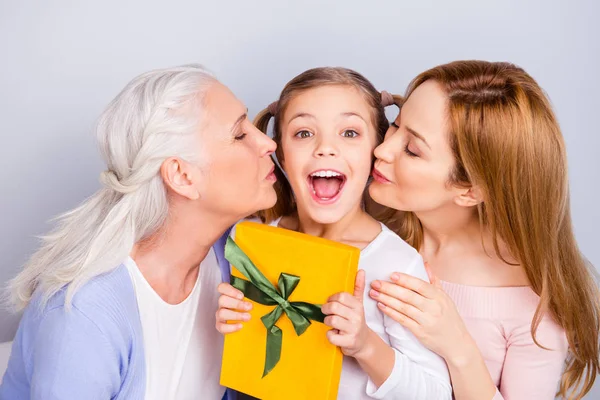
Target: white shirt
182, 348
418, 373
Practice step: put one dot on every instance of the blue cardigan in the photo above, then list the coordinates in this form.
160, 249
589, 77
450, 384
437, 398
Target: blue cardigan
95, 351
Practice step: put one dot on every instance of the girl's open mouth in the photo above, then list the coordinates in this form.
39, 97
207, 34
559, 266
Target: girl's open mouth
326, 185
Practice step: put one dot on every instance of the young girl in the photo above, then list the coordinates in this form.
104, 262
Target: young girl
327, 123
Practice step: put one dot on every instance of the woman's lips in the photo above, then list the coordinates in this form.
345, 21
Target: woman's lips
271, 177
379, 177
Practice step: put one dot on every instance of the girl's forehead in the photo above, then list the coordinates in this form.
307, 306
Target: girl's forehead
328, 102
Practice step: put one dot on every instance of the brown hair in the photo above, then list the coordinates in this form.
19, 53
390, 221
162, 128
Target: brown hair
307, 80
507, 141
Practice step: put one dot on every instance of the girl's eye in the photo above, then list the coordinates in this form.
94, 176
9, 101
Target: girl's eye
240, 137
303, 134
350, 134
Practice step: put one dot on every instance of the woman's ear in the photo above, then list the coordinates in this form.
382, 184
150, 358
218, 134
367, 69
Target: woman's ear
180, 176
469, 197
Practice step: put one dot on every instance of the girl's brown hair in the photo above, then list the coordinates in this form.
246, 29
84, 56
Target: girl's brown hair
314, 78
507, 141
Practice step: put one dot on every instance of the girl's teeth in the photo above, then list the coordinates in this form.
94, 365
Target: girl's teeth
325, 174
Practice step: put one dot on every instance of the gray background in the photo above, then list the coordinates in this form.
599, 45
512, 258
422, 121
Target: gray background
61, 62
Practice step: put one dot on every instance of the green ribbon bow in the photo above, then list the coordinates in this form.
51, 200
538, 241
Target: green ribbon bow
262, 291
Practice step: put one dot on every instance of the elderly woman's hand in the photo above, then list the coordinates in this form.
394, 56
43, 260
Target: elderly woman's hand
232, 309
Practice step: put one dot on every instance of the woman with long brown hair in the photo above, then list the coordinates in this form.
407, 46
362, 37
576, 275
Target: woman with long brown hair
476, 164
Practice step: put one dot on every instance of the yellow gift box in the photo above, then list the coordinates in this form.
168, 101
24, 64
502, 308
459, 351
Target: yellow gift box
309, 366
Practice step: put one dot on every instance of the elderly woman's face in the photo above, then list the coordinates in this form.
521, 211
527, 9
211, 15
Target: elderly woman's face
238, 174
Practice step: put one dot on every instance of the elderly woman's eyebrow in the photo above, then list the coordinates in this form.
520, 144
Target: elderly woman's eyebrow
239, 121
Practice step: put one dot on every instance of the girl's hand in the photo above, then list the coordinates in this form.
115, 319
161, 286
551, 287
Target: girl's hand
345, 314
232, 307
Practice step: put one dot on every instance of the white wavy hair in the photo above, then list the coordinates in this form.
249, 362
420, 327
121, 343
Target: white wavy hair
155, 117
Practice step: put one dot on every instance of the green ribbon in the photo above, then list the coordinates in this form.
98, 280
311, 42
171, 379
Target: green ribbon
262, 291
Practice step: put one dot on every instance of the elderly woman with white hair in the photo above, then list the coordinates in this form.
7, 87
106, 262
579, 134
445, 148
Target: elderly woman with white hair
120, 299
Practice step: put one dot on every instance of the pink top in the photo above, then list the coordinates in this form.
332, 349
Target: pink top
499, 319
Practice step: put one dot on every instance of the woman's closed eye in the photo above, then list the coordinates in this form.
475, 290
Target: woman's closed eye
241, 136
410, 151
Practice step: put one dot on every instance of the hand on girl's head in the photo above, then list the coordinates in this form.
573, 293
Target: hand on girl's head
232, 309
